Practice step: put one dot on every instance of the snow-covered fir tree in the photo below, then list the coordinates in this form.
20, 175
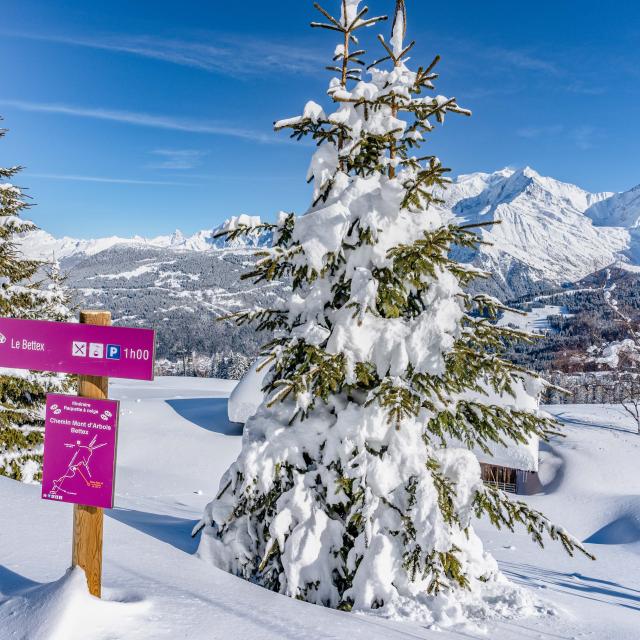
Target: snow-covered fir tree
357, 486
229, 365
32, 290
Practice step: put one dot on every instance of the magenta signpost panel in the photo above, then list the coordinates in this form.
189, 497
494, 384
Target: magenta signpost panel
84, 349
80, 450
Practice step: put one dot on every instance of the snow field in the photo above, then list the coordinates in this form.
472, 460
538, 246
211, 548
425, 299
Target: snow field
535, 321
175, 443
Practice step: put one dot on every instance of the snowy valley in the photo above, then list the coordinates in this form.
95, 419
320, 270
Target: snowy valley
167, 283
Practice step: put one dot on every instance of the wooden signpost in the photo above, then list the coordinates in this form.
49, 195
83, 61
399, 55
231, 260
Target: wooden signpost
79, 429
86, 546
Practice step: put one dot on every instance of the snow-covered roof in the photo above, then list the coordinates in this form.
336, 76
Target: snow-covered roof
247, 395
515, 456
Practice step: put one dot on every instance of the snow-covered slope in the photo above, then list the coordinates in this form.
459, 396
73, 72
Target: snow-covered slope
175, 442
544, 236
179, 293
621, 209
507, 184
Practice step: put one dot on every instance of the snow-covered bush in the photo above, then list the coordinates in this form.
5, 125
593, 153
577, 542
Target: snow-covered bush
229, 365
24, 294
345, 493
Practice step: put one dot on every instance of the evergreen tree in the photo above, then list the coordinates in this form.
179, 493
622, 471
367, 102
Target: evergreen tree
32, 290
356, 485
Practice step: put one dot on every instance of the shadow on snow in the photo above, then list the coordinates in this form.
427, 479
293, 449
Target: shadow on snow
12, 582
577, 422
168, 529
208, 413
623, 530
605, 591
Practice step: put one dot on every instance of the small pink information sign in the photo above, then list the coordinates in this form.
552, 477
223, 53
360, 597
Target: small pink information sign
85, 349
80, 450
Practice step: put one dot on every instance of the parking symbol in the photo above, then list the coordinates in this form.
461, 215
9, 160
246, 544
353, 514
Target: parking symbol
113, 351
79, 349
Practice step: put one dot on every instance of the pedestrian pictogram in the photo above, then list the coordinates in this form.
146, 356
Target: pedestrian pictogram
96, 350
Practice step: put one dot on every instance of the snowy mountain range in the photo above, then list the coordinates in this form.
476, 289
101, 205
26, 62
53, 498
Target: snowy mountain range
42, 245
164, 283
550, 233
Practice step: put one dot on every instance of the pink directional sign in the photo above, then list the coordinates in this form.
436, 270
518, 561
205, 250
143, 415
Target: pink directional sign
85, 349
80, 450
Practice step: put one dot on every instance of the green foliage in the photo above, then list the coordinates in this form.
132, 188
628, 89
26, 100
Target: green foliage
504, 512
309, 374
478, 425
400, 400
32, 290
304, 369
446, 493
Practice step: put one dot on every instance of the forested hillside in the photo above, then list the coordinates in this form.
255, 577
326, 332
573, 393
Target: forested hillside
182, 296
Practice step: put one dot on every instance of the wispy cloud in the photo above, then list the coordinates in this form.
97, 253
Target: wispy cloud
107, 180
539, 132
177, 159
222, 53
491, 71
520, 59
582, 137
143, 119
586, 88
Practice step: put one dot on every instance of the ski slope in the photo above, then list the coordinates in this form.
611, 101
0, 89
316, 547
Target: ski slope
534, 321
175, 441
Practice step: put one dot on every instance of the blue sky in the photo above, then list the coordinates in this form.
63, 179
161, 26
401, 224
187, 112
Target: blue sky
142, 117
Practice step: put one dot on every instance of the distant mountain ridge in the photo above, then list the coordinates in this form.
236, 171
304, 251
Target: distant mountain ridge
178, 285
550, 232
621, 209
42, 245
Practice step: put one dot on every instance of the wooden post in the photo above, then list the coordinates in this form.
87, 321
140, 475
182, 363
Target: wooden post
87, 521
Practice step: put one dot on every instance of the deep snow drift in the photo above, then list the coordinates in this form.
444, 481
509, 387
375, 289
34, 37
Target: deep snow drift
175, 442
